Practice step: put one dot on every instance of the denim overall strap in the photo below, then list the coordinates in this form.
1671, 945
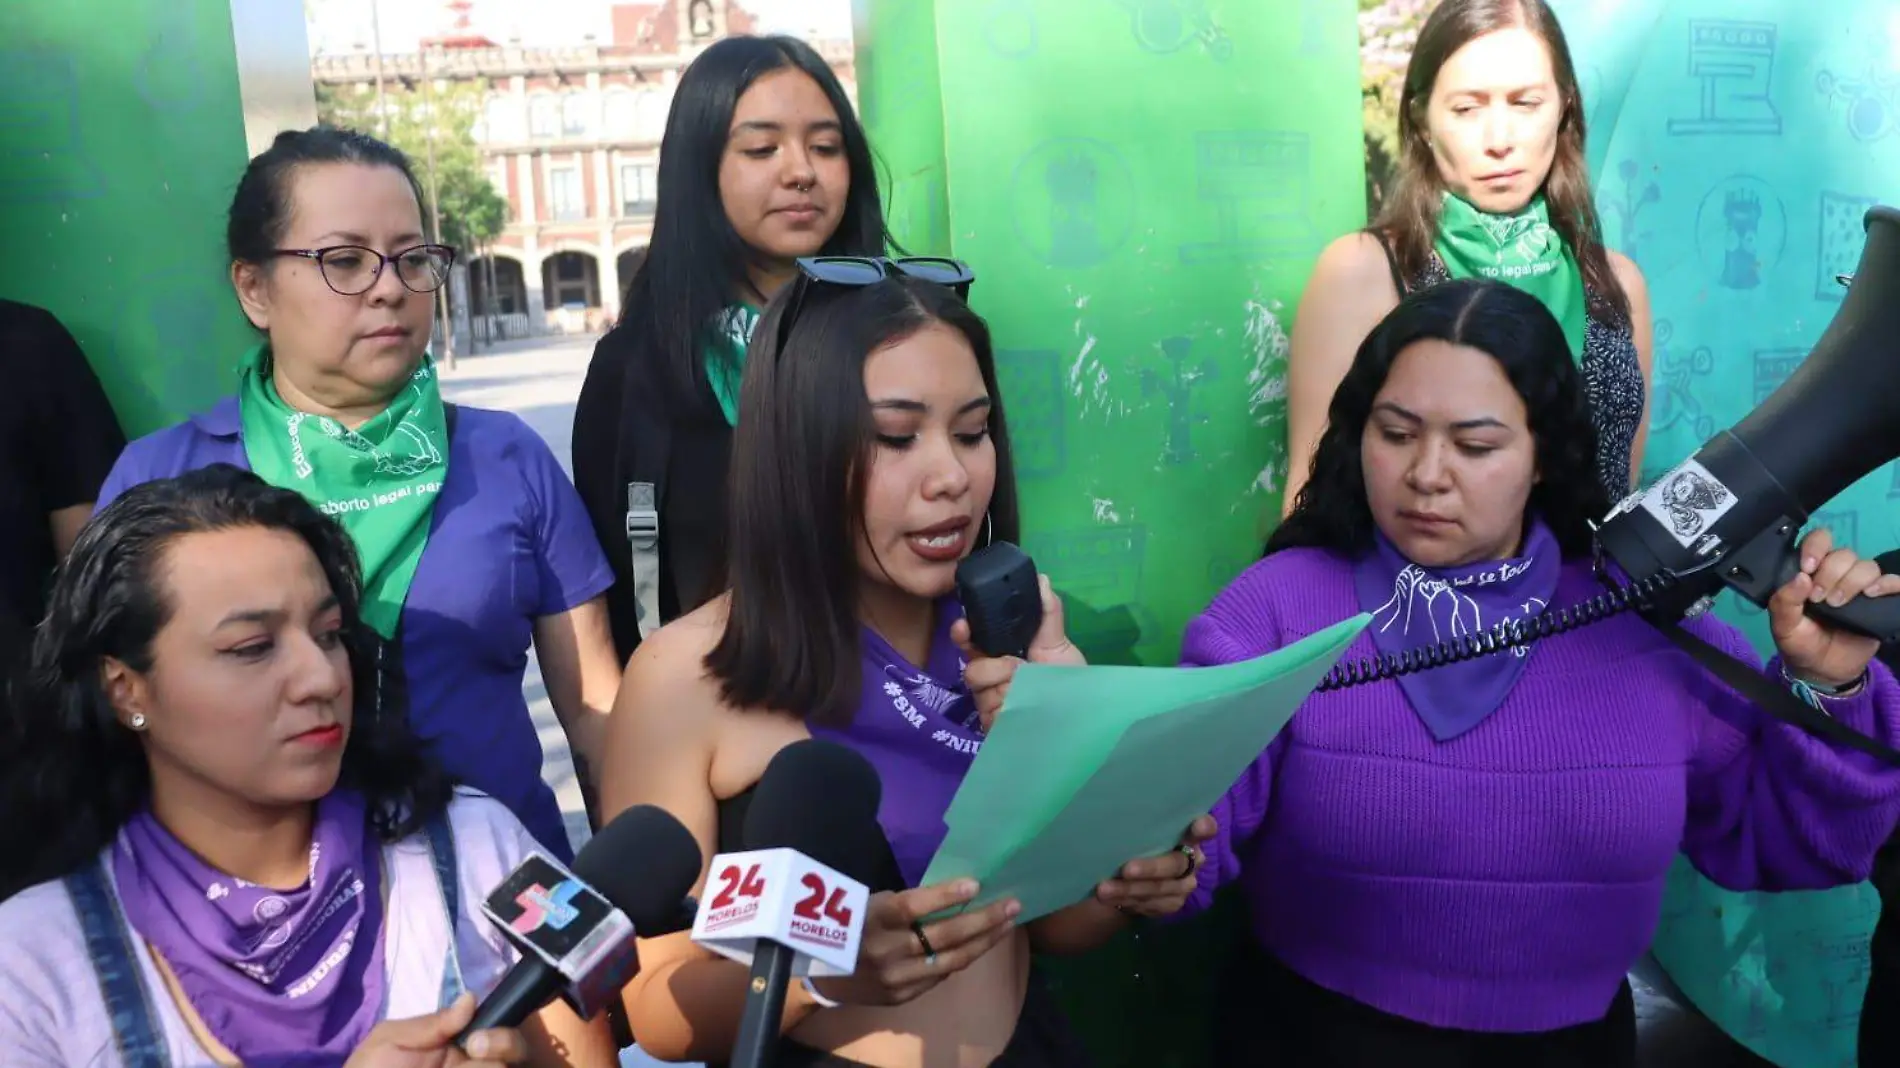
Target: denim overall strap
442, 854
108, 944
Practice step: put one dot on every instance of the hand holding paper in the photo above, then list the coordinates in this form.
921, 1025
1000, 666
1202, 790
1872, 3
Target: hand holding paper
901, 957
1089, 766
1161, 885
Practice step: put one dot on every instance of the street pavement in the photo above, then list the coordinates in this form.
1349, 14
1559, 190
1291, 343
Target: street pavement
539, 379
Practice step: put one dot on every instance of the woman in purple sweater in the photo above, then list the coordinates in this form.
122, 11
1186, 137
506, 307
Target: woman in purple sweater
1458, 867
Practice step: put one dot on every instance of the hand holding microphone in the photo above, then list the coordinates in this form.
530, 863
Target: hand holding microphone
430, 1042
1011, 614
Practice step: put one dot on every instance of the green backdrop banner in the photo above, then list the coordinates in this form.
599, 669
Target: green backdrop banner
1738, 146
1141, 187
121, 135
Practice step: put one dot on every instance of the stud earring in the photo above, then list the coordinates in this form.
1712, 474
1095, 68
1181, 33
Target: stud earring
138, 721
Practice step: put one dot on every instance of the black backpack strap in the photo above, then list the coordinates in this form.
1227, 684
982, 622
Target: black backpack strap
1391, 260
1775, 700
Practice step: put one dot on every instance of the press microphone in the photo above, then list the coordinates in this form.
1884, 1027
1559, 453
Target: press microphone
1001, 599
793, 902
575, 928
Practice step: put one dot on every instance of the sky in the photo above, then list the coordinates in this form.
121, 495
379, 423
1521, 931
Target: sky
339, 25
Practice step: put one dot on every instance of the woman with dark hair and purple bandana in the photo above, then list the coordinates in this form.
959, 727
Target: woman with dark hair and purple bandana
1458, 867
211, 854
872, 455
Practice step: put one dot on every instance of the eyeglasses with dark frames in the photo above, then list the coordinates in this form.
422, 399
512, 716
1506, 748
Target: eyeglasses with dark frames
869, 270
350, 270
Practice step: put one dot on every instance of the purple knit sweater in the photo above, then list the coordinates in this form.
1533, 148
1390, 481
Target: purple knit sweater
1507, 879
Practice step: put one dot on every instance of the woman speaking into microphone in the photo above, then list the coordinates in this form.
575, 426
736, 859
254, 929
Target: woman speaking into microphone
871, 456
1458, 867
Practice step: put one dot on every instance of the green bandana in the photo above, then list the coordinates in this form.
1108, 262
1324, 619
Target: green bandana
380, 480
1521, 249
726, 342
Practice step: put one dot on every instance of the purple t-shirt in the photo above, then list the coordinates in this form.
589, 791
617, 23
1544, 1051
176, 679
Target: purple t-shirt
508, 544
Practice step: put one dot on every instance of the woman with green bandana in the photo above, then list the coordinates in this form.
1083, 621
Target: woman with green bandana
473, 542
763, 161
1490, 183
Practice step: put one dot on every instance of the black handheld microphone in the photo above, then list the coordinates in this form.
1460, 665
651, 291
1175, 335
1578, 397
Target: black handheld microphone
817, 799
575, 929
1001, 599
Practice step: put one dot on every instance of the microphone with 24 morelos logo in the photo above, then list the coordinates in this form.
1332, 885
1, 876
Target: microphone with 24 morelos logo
575, 928
793, 903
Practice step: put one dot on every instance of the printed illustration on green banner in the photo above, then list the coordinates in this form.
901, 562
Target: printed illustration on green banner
1141, 187
118, 152
1736, 150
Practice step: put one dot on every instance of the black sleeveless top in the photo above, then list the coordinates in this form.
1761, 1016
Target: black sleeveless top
732, 812
1612, 376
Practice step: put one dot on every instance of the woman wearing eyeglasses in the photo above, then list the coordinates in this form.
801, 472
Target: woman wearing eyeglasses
872, 456
763, 161
473, 541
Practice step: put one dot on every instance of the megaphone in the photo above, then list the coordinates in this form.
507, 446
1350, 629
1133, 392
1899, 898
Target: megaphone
1731, 515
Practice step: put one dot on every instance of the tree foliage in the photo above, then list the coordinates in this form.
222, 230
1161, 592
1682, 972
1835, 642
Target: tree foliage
1388, 29
473, 213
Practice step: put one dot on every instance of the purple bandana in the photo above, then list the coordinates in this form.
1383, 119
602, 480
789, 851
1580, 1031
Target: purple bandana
1413, 606
281, 978
919, 728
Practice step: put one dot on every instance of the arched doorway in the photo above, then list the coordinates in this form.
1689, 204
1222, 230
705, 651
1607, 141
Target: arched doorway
570, 291
498, 299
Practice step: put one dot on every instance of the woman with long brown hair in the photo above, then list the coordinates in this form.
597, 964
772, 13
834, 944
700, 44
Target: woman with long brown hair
1491, 182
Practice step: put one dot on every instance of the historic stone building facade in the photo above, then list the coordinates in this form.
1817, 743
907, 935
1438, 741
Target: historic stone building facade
571, 137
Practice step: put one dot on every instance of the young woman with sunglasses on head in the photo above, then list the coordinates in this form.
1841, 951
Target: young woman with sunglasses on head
214, 851
474, 543
1491, 182
872, 455
763, 161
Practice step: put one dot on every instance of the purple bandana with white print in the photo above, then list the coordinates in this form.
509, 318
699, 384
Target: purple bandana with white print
1415, 606
279, 977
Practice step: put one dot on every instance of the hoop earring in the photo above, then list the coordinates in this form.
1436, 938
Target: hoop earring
989, 530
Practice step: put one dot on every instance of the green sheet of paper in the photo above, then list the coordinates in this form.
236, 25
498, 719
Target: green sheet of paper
1091, 767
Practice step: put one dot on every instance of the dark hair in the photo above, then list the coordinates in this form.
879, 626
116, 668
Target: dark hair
1513, 328
695, 258
1410, 215
261, 207
78, 773
799, 459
